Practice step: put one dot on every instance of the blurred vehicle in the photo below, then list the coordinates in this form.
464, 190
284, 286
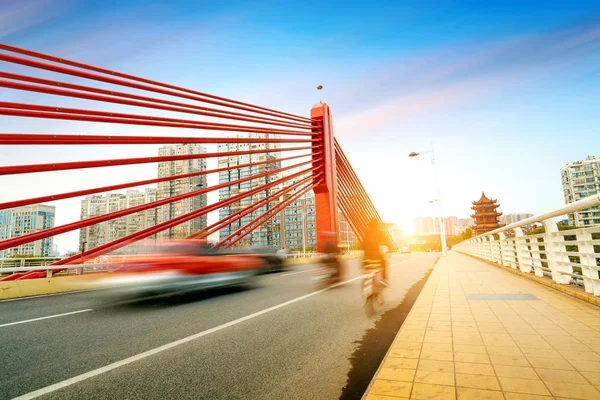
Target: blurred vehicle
176, 264
405, 250
273, 260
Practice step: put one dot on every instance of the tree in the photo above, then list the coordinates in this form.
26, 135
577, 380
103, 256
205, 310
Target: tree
69, 253
467, 234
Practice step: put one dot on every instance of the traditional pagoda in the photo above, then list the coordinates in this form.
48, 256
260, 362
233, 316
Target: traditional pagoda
486, 216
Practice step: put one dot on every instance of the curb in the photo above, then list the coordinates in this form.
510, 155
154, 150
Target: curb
368, 389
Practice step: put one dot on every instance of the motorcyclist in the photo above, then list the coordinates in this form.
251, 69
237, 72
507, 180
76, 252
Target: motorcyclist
330, 249
372, 245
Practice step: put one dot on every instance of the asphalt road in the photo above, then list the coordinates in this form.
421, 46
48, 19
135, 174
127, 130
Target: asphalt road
278, 339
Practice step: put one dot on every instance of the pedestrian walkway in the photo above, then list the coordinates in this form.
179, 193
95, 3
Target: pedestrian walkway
479, 332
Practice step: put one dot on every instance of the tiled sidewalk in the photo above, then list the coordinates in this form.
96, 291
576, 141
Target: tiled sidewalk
478, 332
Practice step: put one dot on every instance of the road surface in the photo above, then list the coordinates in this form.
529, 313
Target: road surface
279, 339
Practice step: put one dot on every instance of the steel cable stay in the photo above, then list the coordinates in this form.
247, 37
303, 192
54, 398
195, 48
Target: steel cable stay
8, 243
112, 96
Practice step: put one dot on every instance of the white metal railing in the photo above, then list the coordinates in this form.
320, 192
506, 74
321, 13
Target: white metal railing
11, 265
568, 256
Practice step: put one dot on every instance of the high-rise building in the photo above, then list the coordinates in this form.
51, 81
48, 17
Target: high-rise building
508, 219
104, 232
180, 186
21, 221
263, 235
423, 226
581, 179
348, 238
396, 233
295, 227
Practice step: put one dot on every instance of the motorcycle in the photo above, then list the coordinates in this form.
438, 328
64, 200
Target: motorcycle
372, 288
327, 274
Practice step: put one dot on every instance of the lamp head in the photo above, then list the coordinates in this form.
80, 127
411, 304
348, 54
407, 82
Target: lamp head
413, 154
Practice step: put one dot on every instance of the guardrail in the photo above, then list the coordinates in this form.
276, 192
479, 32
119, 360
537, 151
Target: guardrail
568, 256
27, 262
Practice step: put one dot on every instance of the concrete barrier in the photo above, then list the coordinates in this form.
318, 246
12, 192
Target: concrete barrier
36, 287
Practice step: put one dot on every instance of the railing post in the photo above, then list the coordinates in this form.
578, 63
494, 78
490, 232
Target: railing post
554, 245
503, 249
587, 259
493, 257
522, 252
326, 189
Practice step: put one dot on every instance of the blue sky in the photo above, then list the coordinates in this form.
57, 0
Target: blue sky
508, 92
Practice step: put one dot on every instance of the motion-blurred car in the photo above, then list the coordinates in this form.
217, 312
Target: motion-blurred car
177, 264
405, 250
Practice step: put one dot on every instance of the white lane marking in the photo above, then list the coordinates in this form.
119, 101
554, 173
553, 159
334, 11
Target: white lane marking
110, 367
299, 272
48, 317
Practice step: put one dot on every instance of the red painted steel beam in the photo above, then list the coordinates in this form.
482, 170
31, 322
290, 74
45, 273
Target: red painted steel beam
74, 114
353, 179
31, 237
352, 210
326, 190
358, 185
157, 86
252, 225
365, 197
27, 169
85, 192
59, 139
228, 220
145, 101
144, 233
354, 197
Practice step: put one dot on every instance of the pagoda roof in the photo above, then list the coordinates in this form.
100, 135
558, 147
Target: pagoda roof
486, 214
484, 200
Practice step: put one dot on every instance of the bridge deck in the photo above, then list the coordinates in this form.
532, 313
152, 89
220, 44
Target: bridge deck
478, 332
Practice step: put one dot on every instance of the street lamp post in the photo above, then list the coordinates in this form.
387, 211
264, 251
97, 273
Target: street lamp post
439, 198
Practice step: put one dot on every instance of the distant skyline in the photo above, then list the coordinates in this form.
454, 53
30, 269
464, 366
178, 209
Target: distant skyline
507, 92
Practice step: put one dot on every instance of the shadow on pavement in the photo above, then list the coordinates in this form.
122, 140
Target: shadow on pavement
374, 345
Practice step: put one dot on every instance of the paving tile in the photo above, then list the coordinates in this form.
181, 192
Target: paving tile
550, 363
526, 386
466, 341
585, 365
478, 394
403, 353
474, 369
504, 350
380, 397
477, 381
396, 374
556, 375
573, 390
592, 377
518, 361
434, 365
472, 358
425, 391
462, 348
438, 339
539, 353
521, 396
405, 363
510, 371
437, 347
437, 355
391, 388
436, 378
580, 355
